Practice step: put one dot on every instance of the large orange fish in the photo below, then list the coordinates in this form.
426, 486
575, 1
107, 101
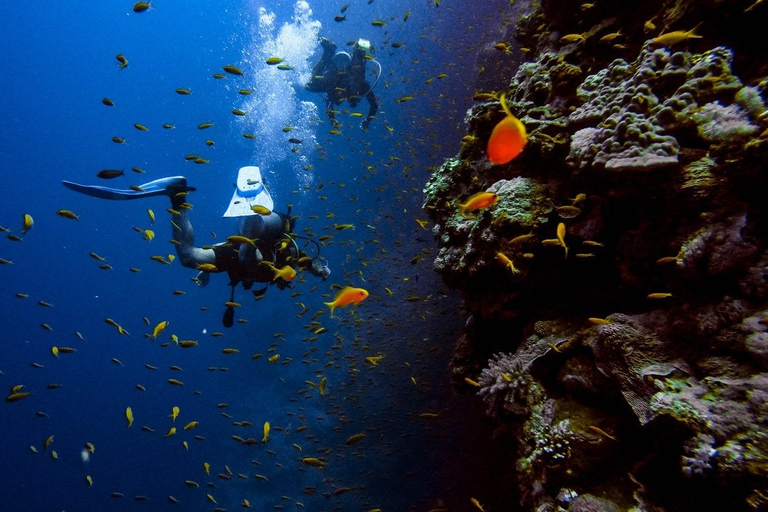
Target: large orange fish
507, 139
478, 201
348, 295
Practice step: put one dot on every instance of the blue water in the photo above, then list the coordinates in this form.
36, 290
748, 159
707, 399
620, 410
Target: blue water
58, 61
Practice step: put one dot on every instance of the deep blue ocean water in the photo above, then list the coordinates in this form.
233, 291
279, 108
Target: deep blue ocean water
58, 62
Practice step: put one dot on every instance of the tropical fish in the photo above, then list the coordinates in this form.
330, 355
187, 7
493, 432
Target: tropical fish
159, 328
174, 413
121, 61
672, 38
478, 201
504, 260
355, 439
274, 60
129, 416
141, 6
108, 174
507, 139
561, 237
239, 240
573, 38
266, 432
67, 214
287, 273
233, 70
28, 223
348, 295
314, 462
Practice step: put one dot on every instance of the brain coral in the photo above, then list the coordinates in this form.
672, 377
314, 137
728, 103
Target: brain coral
632, 114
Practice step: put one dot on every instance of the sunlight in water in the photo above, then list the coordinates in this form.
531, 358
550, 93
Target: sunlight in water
274, 101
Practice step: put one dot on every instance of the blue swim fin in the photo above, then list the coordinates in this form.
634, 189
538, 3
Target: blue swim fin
162, 187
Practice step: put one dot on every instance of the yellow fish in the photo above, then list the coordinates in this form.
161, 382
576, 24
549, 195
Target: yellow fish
238, 240
175, 413
266, 432
28, 223
159, 328
261, 210
561, 237
129, 416
672, 38
322, 386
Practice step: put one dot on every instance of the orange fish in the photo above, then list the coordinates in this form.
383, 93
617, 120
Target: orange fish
478, 201
349, 295
507, 139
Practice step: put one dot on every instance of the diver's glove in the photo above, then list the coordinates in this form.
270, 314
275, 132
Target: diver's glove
320, 269
202, 279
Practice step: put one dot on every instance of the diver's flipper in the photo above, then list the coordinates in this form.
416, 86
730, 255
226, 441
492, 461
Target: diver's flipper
259, 293
162, 187
229, 317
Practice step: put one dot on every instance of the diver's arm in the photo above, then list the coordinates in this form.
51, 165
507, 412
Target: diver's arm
182, 231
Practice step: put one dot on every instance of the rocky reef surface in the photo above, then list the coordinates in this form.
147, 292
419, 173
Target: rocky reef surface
630, 358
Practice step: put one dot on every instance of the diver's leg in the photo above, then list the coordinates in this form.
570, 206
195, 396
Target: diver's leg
183, 232
317, 83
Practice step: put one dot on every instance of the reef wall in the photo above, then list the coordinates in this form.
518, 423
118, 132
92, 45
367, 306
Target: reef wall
629, 356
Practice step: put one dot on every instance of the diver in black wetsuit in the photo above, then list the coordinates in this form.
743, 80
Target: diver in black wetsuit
270, 246
341, 77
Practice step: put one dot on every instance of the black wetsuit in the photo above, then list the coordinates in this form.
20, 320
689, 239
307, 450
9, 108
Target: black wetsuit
339, 85
279, 251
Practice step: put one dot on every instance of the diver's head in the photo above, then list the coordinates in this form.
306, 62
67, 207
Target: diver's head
342, 60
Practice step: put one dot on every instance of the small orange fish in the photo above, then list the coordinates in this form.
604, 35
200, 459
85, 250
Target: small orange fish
478, 201
348, 295
507, 139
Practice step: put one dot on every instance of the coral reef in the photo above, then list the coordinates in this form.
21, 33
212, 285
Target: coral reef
633, 372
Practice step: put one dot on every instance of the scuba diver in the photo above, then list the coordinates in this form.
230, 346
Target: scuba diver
341, 77
264, 251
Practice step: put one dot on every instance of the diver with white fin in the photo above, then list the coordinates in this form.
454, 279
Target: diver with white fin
264, 251
341, 77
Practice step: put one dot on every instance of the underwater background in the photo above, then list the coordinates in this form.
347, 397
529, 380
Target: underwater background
592, 337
